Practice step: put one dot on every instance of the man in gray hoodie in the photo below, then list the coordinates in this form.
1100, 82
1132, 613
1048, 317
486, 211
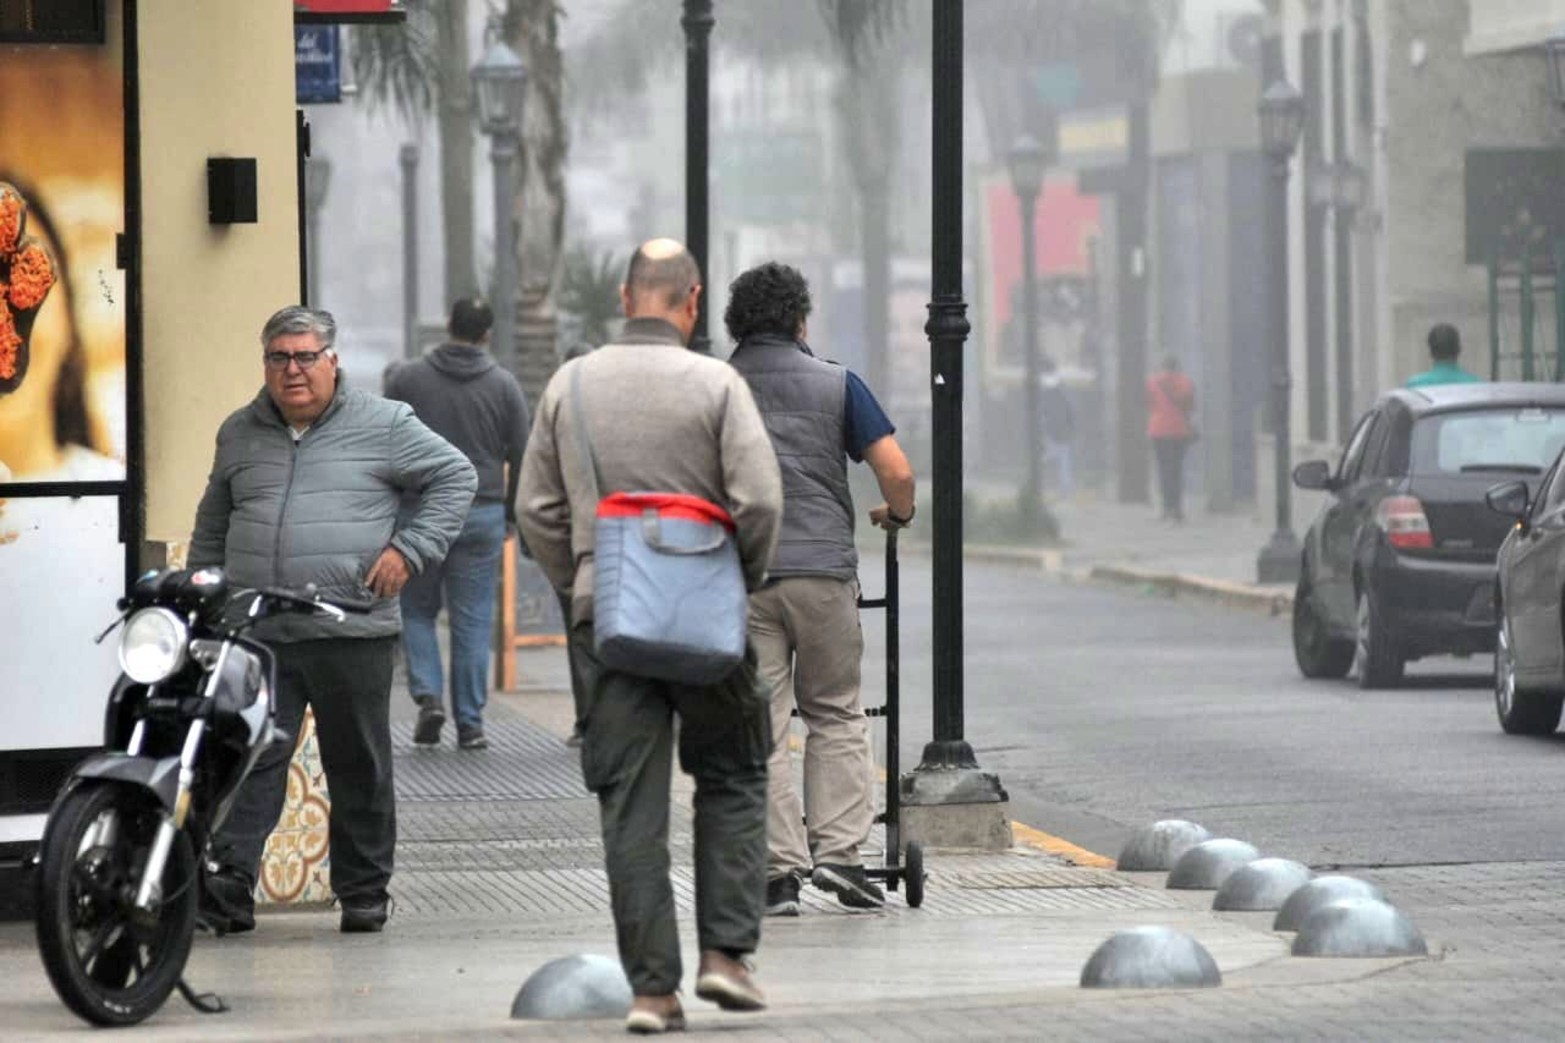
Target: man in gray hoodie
464, 396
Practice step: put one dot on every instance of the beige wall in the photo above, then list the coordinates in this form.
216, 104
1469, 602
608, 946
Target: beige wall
216, 80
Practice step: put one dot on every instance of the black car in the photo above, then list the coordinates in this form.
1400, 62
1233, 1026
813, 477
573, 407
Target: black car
1400, 563
1529, 658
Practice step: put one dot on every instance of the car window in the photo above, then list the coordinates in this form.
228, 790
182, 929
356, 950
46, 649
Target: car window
1488, 441
1552, 495
1353, 455
1377, 453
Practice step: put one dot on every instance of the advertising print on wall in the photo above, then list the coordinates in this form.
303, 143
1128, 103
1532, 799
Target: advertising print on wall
62, 203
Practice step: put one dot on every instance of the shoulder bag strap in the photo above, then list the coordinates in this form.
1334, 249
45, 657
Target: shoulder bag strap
579, 417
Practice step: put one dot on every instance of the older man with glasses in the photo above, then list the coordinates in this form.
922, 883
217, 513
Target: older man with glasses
306, 488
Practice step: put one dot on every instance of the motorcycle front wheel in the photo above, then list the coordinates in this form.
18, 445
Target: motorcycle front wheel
111, 963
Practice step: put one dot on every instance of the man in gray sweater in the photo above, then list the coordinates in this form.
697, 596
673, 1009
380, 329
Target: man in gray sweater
305, 488
661, 418
468, 399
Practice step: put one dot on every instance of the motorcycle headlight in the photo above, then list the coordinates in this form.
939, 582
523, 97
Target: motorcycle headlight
153, 645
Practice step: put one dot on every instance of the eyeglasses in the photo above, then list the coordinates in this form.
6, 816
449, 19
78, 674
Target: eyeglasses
279, 360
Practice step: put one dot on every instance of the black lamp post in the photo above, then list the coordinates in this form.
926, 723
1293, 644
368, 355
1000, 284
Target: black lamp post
317, 177
1554, 50
697, 22
1282, 121
500, 86
1028, 161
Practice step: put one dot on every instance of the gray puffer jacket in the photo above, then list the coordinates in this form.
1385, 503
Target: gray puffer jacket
320, 510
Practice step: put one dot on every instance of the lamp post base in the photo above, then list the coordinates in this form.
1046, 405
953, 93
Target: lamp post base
1279, 559
949, 802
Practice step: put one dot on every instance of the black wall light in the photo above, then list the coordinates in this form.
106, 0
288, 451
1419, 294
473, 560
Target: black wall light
230, 189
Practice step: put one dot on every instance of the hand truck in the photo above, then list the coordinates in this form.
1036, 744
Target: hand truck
894, 872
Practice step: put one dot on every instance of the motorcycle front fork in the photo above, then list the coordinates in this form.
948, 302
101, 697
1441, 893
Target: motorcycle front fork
149, 892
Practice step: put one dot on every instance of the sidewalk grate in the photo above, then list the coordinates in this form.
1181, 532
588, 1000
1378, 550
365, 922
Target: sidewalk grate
1035, 878
523, 762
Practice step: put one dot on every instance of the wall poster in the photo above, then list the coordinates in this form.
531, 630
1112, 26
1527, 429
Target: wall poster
63, 415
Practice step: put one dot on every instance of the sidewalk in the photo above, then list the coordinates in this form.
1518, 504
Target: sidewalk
1210, 556
500, 871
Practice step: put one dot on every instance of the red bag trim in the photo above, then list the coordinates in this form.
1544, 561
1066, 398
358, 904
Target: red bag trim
681, 506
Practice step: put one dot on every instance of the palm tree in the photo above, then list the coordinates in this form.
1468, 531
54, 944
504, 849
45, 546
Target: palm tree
532, 29
422, 66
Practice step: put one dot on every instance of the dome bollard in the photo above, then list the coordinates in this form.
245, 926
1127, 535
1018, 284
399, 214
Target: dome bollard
1158, 846
1261, 886
1151, 958
1205, 866
1323, 890
574, 988
1358, 928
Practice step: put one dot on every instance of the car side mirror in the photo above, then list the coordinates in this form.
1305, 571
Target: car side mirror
1314, 474
1509, 499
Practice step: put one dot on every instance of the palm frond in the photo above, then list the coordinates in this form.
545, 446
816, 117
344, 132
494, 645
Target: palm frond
397, 66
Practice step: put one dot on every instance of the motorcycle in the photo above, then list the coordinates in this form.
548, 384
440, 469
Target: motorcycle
121, 864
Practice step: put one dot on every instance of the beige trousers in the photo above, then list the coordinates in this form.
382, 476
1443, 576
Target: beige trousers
808, 645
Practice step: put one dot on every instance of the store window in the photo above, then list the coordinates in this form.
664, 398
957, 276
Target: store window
52, 21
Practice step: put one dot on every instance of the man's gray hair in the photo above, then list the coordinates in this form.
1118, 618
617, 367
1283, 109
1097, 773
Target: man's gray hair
296, 318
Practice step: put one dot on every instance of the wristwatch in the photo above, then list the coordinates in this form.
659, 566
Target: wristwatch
904, 522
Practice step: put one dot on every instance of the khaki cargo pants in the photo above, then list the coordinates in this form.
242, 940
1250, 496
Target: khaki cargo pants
808, 646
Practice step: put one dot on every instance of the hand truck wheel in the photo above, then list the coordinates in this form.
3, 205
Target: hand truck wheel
915, 874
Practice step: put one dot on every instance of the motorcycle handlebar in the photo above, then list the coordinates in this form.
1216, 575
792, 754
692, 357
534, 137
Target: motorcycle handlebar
309, 599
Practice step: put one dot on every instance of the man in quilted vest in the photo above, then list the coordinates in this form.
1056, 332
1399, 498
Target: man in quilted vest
804, 622
305, 488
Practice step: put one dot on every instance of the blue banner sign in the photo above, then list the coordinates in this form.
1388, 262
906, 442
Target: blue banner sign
317, 62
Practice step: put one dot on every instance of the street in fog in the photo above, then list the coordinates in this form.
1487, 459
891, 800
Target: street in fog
1103, 709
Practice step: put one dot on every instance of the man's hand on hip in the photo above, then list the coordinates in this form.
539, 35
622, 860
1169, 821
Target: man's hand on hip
389, 574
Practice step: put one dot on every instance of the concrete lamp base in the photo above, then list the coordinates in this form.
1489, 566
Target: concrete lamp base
1279, 559
955, 809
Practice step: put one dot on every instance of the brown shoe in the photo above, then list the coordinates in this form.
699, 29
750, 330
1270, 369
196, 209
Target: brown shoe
655, 1015
726, 982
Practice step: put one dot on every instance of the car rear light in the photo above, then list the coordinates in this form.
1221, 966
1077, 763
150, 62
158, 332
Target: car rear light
1405, 524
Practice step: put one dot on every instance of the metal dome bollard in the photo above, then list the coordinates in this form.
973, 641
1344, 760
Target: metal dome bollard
1261, 886
1158, 846
1205, 866
1359, 928
1150, 958
1323, 890
574, 988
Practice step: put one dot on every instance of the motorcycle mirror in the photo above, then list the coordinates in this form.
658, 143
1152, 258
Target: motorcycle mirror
111, 628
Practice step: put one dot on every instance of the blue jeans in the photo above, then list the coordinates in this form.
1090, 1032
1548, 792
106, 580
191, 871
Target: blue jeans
465, 583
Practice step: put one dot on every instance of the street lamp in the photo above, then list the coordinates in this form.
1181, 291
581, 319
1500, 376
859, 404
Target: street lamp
948, 776
1028, 161
317, 178
1282, 121
697, 22
1350, 186
500, 86
1554, 50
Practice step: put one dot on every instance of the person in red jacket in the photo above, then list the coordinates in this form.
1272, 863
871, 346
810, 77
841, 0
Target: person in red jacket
1170, 402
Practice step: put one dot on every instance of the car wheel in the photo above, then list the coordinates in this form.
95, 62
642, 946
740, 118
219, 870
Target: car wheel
1520, 712
1376, 660
1318, 654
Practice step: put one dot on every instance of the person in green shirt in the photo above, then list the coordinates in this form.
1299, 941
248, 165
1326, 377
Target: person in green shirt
1445, 344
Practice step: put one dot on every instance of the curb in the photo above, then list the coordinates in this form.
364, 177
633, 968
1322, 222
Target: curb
1178, 584
1168, 584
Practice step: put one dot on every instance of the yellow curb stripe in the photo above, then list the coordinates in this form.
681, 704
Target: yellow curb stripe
1058, 846
1022, 834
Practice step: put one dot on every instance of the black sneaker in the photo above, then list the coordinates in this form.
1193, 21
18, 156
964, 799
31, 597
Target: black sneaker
364, 916
851, 884
431, 718
471, 738
227, 902
782, 895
